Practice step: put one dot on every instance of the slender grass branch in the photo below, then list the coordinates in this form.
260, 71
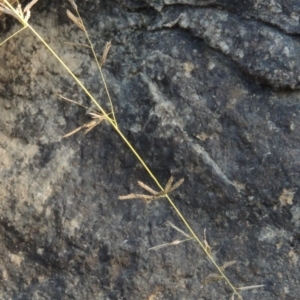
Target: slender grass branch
98, 65
11, 36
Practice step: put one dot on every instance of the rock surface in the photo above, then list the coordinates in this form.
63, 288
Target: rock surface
205, 90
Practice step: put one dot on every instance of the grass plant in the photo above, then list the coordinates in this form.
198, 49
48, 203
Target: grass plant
14, 9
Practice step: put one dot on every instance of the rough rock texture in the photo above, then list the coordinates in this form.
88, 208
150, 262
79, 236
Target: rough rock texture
205, 90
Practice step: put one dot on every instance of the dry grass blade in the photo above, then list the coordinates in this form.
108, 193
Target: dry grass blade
75, 20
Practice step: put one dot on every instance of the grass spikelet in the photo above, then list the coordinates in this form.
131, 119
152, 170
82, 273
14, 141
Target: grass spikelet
173, 243
105, 52
77, 21
29, 5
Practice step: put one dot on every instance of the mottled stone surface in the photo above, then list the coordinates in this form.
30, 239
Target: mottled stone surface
205, 90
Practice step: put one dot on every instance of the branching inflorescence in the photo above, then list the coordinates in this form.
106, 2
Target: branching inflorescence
23, 16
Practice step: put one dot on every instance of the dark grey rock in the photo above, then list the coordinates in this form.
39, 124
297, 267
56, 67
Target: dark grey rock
260, 50
279, 13
212, 98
